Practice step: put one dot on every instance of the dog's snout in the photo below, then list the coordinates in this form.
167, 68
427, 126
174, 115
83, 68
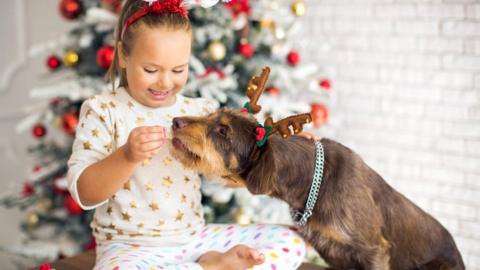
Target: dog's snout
178, 123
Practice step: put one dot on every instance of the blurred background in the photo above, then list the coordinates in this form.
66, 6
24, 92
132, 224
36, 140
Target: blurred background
397, 81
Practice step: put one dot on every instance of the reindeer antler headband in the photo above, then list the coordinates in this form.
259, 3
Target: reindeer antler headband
255, 88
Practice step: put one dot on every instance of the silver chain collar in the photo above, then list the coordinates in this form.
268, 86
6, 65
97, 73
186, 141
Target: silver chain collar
299, 218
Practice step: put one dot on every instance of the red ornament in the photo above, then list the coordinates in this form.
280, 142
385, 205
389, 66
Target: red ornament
45, 266
70, 9
105, 56
325, 84
246, 49
210, 70
27, 190
70, 122
39, 131
53, 62
320, 114
91, 245
293, 58
273, 91
72, 206
238, 7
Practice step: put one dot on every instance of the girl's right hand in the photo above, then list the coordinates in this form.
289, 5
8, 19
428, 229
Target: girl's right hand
144, 142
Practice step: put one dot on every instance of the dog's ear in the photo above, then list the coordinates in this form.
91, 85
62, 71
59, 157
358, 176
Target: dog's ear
261, 178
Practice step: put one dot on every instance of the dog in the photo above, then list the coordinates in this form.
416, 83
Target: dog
358, 221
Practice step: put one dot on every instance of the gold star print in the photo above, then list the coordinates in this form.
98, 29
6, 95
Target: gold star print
186, 101
167, 181
108, 147
111, 226
96, 230
87, 145
197, 213
156, 233
114, 197
130, 104
89, 111
183, 111
127, 186
183, 198
147, 161
149, 186
186, 179
95, 132
104, 106
193, 233
102, 118
132, 235
140, 225
167, 161
120, 232
140, 121
109, 236
179, 216
154, 206
112, 104
161, 222
133, 204
126, 216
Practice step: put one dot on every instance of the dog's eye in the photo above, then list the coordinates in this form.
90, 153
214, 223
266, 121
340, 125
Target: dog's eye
222, 130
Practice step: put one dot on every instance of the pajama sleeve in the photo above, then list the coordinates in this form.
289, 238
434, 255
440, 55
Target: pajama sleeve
93, 142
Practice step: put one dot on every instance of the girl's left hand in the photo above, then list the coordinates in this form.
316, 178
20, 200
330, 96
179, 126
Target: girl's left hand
310, 136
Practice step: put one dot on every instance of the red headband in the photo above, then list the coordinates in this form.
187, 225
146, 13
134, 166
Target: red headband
154, 6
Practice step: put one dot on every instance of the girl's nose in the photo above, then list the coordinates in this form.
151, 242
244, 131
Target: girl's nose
165, 82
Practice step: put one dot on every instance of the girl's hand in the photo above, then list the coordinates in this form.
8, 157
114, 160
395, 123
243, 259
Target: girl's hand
144, 142
310, 136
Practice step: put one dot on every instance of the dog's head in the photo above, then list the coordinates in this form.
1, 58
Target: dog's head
223, 144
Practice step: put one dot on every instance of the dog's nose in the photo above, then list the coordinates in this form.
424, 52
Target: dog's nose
178, 123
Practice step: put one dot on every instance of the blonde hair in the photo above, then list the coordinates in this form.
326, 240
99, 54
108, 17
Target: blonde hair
169, 20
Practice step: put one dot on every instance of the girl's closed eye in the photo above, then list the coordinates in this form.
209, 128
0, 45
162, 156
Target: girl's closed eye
178, 71
148, 70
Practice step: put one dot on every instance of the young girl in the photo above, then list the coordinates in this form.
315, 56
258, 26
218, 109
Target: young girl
148, 212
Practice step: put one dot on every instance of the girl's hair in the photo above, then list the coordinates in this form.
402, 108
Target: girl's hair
171, 20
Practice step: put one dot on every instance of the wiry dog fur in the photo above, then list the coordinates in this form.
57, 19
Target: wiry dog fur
359, 221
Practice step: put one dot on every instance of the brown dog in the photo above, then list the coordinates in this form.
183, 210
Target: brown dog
358, 222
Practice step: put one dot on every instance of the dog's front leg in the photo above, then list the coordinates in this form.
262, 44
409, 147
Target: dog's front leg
380, 261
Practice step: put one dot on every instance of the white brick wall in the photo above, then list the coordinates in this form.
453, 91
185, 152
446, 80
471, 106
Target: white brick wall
406, 74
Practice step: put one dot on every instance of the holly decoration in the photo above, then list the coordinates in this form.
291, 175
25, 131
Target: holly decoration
105, 56
72, 206
320, 114
39, 131
293, 58
53, 62
246, 49
70, 122
238, 7
70, 9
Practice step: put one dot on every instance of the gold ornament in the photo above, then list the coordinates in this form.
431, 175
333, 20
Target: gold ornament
298, 8
266, 23
240, 217
216, 51
32, 219
71, 58
44, 205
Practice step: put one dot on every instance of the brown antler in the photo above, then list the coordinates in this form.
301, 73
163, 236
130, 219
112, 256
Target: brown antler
283, 126
255, 88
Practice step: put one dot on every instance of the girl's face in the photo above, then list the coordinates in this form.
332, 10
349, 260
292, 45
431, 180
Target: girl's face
157, 66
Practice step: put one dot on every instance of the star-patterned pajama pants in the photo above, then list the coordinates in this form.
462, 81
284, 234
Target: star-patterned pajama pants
282, 247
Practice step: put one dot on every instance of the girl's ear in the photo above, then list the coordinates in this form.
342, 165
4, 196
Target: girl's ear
122, 59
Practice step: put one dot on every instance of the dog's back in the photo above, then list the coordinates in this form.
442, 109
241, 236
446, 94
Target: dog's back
359, 220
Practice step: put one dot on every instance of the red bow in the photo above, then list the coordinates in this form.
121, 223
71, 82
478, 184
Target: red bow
166, 6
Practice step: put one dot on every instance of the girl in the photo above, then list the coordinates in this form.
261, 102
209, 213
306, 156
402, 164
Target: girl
148, 212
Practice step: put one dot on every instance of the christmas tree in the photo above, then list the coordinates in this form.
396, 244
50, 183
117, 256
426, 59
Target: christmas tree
233, 40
